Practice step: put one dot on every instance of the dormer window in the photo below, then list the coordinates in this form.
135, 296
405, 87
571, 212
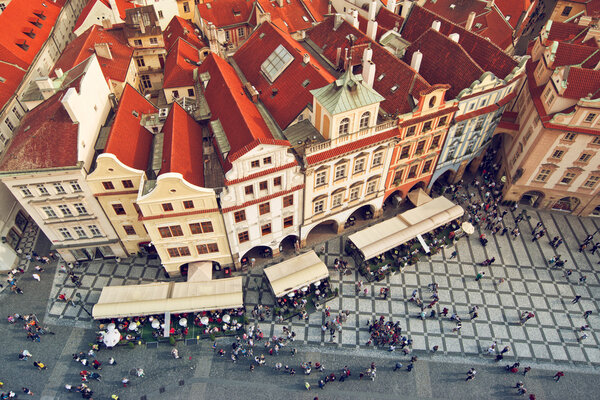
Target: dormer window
344, 126
40, 15
35, 22
30, 33
23, 44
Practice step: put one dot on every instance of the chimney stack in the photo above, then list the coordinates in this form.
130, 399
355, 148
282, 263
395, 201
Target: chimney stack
115, 11
68, 101
337, 21
406, 6
470, 20
103, 50
415, 61
372, 10
280, 3
355, 19
391, 5
436, 25
368, 68
107, 23
58, 72
306, 58
454, 37
372, 30
46, 86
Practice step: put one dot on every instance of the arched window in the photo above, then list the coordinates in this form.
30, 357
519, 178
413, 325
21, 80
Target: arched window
344, 126
432, 101
364, 120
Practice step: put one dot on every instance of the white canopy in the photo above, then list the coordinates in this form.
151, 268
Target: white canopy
386, 235
294, 273
174, 297
200, 271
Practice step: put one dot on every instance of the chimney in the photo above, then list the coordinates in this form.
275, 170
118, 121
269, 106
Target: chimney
68, 101
454, 37
406, 6
490, 3
58, 72
372, 30
368, 67
107, 23
115, 11
46, 86
103, 50
329, 7
280, 3
338, 19
584, 20
372, 10
306, 58
470, 20
355, 19
391, 5
415, 61
436, 25
338, 56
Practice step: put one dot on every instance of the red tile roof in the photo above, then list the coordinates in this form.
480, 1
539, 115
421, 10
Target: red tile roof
386, 21
563, 31
182, 148
130, 142
574, 54
46, 138
122, 5
486, 54
180, 28
317, 7
514, 9
20, 18
242, 122
224, 13
292, 97
444, 61
11, 77
581, 82
291, 14
180, 64
83, 47
407, 83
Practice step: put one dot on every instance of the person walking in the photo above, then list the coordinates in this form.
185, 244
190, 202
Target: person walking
558, 375
471, 374
479, 275
398, 366
582, 337
526, 370
453, 255
575, 299
587, 314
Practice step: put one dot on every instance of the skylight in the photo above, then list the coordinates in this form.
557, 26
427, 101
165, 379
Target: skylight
276, 63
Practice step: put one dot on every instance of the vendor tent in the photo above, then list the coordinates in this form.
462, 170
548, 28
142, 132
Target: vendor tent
200, 271
419, 197
294, 273
386, 235
173, 297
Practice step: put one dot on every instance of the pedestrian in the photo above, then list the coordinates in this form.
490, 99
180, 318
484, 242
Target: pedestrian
558, 375
587, 314
453, 255
125, 381
307, 385
582, 337
575, 299
582, 279
526, 370
40, 365
505, 350
111, 361
479, 275
398, 366
27, 391
522, 391
410, 367
500, 281
435, 348
36, 277
471, 374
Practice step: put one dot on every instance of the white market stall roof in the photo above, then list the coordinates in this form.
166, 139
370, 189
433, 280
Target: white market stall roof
174, 297
386, 235
295, 273
8, 257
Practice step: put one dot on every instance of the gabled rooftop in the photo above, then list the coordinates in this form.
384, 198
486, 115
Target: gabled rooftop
141, 21
11, 76
180, 28
122, 6
128, 140
223, 13
582, 82
293, 16
82, 47
575, 54
182, 146
181, 61
563, 31
289, 94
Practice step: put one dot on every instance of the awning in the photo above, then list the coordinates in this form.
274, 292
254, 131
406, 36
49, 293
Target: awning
386, 235
294, 273
419, 197
200, 271
174, 297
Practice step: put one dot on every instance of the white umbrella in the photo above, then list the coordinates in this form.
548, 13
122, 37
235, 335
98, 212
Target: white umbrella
468, 228
156, 324
317, 283
183, 322
305, 288
226, 318
111, 338
111, 326
204, 320
133, 326
290, 294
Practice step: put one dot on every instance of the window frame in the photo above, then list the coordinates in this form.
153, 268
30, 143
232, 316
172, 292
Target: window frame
264, 208
239, 216
120, 207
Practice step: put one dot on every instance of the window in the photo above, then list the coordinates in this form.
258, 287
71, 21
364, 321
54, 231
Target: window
239, 216
398, 176
9, 124
137, 42
550, 99
207, 227
75, 186
127, 184
65, 233
65, 210
267, 160
186, 7
337, 200
42, 189
412, 172
427, 166
320, 178
371, 185
590, 117
277, 181
359, 165
17, 113
566, 11
59, 189
558, 154
344, 126
191, 92
288, 221
175, 94
207, 248
129, 230
243, 237
591, 182
249, 190
471, 144
442, 121
288, 201
195, 228
265, 229
528, 135
94, 230
154, 40
164, 232
364, 120
411, 131
119, 209
160, 15
377, 159
459, 130
145, 79
2, 6
585, 157
202, 227
354, 192
26, 192
451, 152
264, 208
167, 207
596, 140
405, 151
227, 36
80, 232
427, 126
340, 172
570, 136
178, 251
318, 206
241, 32
188, 204
108, 185
567, 178
80, 208
543, 175
263, 185
276, 63
420, 148
49, 212
435, 142
139, 61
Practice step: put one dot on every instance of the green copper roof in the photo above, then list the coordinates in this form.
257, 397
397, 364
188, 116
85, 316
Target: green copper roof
346, 93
